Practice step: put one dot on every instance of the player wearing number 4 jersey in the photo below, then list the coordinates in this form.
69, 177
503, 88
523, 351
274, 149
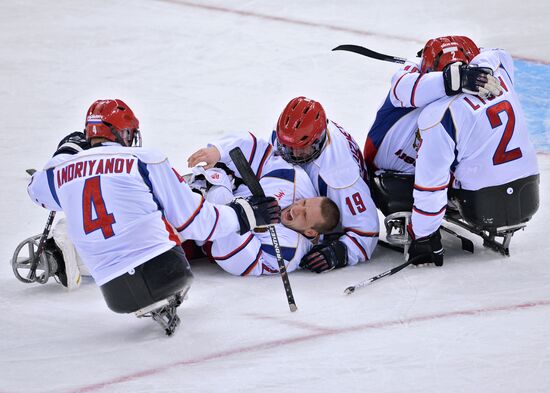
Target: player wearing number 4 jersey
126, 209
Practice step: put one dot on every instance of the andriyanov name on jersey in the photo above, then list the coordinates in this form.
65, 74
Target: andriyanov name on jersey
93, 168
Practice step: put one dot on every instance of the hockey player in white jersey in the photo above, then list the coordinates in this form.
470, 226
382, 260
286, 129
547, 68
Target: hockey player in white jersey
477, 148
335, 165
390, 143
304, 216
390, 147
126, 209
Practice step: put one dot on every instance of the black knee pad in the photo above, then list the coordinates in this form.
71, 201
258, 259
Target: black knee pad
150, 282
392, 192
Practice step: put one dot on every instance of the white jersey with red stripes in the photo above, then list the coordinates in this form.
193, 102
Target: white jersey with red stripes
339, 173
253, 253
481, 142
124, 206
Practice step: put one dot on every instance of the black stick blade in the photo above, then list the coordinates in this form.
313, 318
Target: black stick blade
361, 50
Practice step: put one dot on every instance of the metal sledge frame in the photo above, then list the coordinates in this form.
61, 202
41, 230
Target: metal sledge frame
489, 236
164, 312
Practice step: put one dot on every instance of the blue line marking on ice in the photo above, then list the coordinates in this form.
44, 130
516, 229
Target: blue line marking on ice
533, 88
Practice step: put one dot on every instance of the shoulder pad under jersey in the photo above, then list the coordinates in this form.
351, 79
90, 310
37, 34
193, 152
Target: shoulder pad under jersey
337, 167
148, 156
433, 113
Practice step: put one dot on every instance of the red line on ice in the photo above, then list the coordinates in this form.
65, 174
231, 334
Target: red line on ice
316, 332
314, 24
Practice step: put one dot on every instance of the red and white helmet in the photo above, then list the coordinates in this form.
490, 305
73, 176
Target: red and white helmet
112, 120
442, 51
301, 130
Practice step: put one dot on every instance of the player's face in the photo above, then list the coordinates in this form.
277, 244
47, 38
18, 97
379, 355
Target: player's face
303, 215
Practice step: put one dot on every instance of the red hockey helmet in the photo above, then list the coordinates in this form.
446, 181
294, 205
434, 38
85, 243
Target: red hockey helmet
441, 51
301, 130
113, 120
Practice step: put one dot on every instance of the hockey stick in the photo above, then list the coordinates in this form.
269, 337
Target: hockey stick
349, 290
249, 178
31, 276
370, 53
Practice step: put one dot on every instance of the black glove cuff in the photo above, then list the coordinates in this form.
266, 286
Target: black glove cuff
244, 224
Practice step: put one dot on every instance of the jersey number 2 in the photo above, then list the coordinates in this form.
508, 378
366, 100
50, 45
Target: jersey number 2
92, 198
501, 155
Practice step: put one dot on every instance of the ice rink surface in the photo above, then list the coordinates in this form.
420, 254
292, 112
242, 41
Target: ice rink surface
194, 71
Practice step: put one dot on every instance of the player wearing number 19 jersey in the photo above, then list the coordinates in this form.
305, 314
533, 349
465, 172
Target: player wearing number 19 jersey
468, 142
335, 165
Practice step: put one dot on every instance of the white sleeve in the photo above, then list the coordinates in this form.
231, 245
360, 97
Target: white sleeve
410, 88
495, 59
188, 212
240, 255
252, 254
41, 190
254, 149
432, 176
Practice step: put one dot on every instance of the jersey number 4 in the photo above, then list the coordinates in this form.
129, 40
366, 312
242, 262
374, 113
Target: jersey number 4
92, 199
501, 154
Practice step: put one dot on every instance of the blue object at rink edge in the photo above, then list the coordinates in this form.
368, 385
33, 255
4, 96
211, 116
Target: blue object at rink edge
533, 87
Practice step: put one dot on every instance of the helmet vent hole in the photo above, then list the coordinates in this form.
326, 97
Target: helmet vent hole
298, 123
306, 110
120, 108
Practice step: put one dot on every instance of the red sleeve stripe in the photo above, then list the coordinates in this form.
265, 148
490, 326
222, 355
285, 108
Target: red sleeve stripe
172, 235
180, 177
395, 87
253, 151
430, 189
361, 233
414, 89
252, 265
354, 240
431, 214
236, 250
215, 224
264, 158
266, 268
190, 220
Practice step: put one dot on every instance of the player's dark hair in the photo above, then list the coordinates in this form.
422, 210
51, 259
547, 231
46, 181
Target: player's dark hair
331, 216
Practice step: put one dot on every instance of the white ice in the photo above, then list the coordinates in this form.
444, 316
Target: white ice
191, 72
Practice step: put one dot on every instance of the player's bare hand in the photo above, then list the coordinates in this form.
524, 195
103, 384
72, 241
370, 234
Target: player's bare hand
208, 155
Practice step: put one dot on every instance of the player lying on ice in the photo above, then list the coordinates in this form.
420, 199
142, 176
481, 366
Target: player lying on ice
304, 217
126, 209
453, 129
334, 164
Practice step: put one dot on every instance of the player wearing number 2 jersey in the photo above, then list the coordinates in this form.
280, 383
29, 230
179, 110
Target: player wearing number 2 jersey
126, 209
335, 165
466, 142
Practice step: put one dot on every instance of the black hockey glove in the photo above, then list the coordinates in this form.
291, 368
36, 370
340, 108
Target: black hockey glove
325, 256
427, 249
256, 212
462, 78
73, 143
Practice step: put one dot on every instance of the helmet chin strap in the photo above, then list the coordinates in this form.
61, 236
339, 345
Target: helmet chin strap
118, 137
